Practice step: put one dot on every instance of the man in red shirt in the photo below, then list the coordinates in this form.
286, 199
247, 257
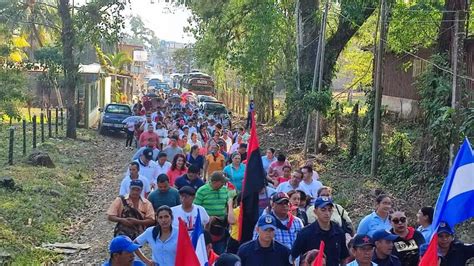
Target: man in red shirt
149, 134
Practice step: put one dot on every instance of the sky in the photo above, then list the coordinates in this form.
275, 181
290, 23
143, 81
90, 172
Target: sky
167, 24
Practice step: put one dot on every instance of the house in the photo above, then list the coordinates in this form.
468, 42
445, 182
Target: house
399, 94
93, 92
134, 83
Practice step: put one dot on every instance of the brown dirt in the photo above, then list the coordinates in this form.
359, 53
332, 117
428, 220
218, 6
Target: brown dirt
90, 226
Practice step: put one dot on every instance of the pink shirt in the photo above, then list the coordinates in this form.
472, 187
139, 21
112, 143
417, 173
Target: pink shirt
146, 135
174, 174
276, 168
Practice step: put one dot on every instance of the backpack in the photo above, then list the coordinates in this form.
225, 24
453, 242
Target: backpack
129, 212
346, 226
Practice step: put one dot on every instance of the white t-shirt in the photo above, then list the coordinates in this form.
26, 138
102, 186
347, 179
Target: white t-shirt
198, 143
149, 171
125, 185
228, 143
286, 186
163, 169
311, 189
189, 217
192, 130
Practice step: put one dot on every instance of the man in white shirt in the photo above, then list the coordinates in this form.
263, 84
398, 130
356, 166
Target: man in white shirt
148, 167
187, 210
133, 169
162, 164
292, 184
162, 132
309, 185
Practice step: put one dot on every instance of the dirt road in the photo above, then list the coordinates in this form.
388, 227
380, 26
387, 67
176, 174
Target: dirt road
110, 159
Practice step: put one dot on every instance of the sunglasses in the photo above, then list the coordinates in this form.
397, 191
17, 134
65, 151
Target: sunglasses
397, 221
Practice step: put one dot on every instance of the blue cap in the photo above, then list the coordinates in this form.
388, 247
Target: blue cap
122, 243
136, 183
322, 202
266, 221
382, 234
445, 228
362, 240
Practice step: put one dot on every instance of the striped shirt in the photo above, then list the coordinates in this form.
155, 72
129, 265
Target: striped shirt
213, 201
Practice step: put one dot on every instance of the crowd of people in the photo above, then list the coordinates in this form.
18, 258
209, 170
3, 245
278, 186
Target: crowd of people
188, 162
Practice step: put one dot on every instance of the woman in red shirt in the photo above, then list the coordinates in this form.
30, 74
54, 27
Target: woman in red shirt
177, 169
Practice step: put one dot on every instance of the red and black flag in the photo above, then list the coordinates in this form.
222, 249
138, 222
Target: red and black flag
254, 182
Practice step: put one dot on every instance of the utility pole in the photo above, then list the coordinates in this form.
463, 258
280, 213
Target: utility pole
317, 65
378, 88
320, 77
455, 78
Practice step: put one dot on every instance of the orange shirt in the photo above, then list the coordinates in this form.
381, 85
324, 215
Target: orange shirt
215, 164
144, 206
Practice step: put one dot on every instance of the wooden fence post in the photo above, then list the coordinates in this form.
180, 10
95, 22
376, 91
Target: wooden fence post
10, 146
48, 114
42, 126
24, 137
34, 131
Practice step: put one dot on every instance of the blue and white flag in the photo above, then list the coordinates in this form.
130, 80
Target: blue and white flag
456, 200
199, 243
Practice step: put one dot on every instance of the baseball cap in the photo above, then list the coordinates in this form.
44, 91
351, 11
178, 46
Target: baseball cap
187, 190
266, 221
383, 234
445, 228
362, 240
228, 259
122, 243
137, 183
280, 197
148, 153
322, 202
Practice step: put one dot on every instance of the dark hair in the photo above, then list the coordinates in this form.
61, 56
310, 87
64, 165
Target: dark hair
272, 150
193, 169
162, 154
175, 160
157, 229
286, 166
310, 169
162, 178
299, 172
281, 157
193, 148
428, 211
324, 188
136, 164
243, 145
207, 238
380, 198
303, 196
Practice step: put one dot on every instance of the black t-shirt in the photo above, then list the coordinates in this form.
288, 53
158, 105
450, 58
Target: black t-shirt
458, 254
310, 237
408, 250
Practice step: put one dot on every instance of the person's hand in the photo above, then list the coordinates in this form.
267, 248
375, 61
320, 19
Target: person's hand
132, 221
126, 222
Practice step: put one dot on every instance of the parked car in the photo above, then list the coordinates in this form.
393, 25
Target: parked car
214, 108
111, 117
206, 98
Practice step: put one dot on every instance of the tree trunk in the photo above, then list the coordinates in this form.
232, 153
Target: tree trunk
310, 29
70, 68
445, 33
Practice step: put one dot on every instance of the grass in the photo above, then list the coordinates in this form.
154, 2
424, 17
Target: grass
38, 209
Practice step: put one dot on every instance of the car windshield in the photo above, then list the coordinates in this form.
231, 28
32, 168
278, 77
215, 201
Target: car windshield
208, 99
216, 108
118, 109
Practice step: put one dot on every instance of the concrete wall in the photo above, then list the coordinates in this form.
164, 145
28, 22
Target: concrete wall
405, 108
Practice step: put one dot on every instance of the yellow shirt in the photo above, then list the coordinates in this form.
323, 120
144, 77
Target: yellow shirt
234, 228
216, 164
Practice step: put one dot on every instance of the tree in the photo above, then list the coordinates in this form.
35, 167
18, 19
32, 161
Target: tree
182, 59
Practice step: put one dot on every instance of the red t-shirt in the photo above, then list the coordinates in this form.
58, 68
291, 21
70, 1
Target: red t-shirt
174, 174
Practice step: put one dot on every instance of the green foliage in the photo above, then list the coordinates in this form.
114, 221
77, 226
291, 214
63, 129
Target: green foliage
182, 59
141, 35
399, 146
317, 100
12, 92
99, 21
